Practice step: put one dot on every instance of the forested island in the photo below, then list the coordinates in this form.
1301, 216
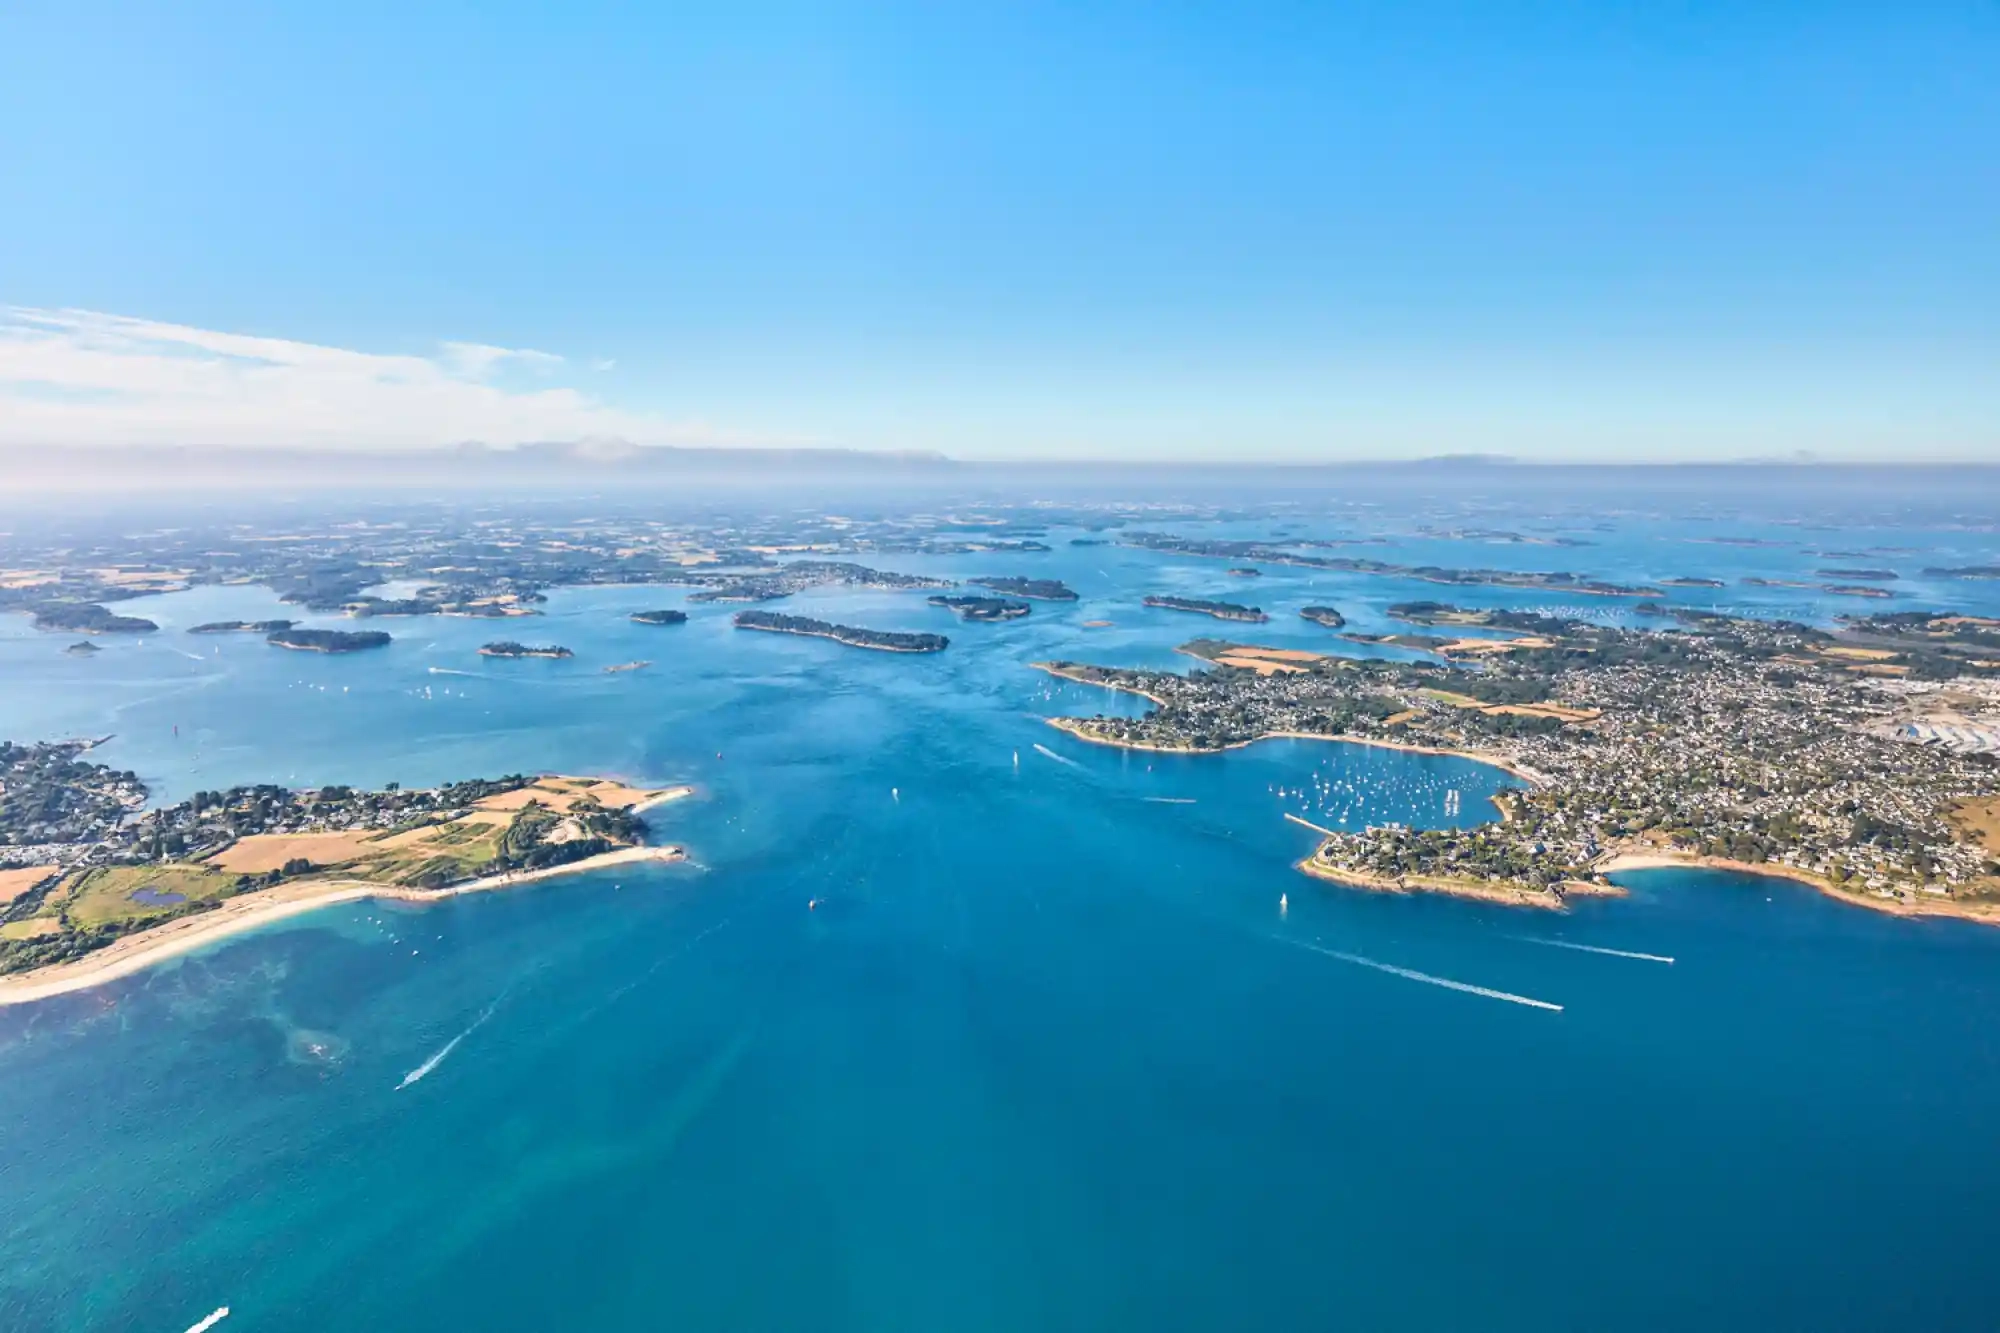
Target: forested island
659, 617
889, 641
1323, 615
509, 648
1220, 610
1244, 572
87, 618
1042, 590
1963, 572
983, 608
328, 640
242, 626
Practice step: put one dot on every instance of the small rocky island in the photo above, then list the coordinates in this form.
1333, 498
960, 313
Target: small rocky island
659, 617
1220, 610
1323, 615
984, 608
1042, 590
83, 648
1244, 572
87, 618
888, 641
242, 626
509, 648
328, 640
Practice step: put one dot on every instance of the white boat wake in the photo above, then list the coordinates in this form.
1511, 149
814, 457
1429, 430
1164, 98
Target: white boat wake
1059, 758
451, 671
211, 1321
1171, 800
1596, 948
423, 1070
1411, 974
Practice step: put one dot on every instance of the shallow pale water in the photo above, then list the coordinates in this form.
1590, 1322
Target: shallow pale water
1048, 1054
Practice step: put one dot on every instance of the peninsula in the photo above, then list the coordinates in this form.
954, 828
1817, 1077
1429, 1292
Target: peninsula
328, 640
983, 608
1754, 745
1220, 610
888, 641
102, 890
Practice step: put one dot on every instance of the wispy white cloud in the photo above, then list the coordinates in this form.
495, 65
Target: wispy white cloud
77, 377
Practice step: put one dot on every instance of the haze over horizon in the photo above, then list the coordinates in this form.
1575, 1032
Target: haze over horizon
1289, 234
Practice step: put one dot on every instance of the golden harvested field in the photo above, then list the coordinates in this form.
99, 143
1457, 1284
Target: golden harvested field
1979, 820
269, 851
1860, 654
560, 793
17, 880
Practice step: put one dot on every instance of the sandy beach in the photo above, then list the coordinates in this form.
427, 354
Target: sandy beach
254, 911
1650, 858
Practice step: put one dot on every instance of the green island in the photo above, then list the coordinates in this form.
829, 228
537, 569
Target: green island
1244, 572
665, 617
328, 640
84, 867
1324, 615
1872, 575
1839, 589
1041, 590
1285, 554
1687, 582
242, 626
1831, 758
888, 641
83, 648
1220, 610
87, 618
1963, 572
509, 648
983, 608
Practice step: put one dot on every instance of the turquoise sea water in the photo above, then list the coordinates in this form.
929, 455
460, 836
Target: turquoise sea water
1048, 1055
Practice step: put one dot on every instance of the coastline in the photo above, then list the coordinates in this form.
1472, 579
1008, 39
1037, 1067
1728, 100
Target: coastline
1499, 892
253, 911
1070, 726
1622, 859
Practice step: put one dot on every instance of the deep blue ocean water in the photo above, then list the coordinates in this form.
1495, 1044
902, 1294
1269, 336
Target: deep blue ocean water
1048, 1055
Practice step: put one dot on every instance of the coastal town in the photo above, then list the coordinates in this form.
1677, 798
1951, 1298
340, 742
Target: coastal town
1753, 744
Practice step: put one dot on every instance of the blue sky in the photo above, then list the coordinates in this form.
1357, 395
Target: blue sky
1257, 231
